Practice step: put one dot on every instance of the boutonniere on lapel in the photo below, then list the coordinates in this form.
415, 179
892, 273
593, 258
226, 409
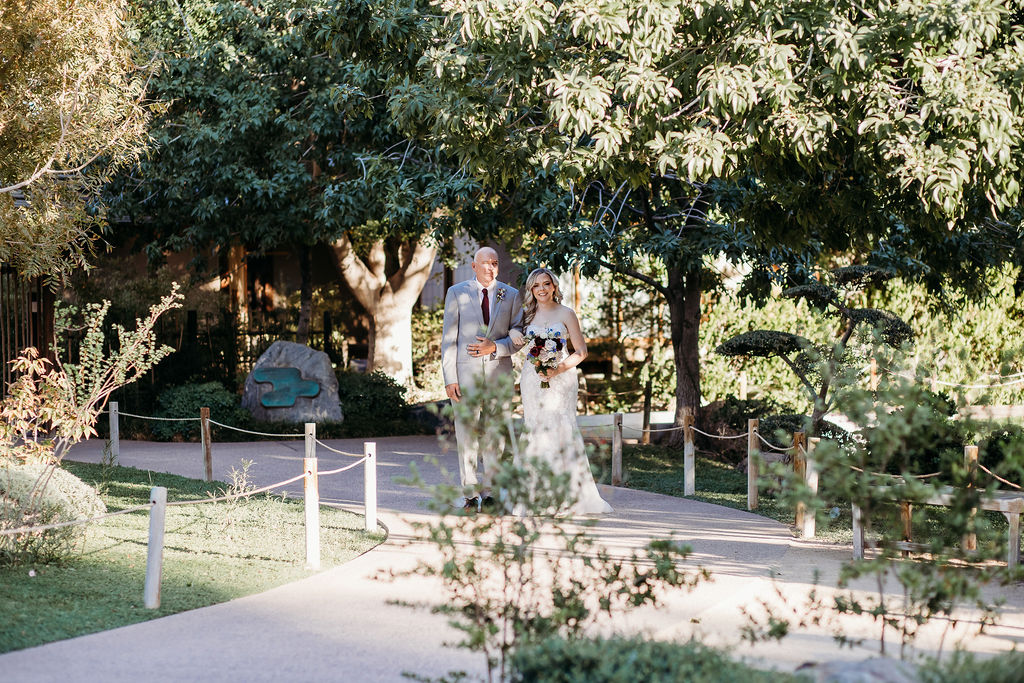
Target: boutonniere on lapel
499, 296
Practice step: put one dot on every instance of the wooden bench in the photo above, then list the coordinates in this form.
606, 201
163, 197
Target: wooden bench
1009, 503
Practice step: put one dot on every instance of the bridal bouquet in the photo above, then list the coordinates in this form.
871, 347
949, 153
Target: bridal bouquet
544, 353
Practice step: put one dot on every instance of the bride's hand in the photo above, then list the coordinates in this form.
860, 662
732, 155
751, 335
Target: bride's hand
516, 337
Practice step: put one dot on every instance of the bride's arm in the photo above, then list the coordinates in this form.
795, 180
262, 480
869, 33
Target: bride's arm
579, 344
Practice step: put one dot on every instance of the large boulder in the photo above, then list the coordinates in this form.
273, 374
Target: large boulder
281, 399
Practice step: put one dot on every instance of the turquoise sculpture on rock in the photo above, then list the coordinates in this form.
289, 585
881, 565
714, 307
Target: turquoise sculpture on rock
288, 386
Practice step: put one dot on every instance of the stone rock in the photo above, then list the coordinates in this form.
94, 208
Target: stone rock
874, 670
312, 365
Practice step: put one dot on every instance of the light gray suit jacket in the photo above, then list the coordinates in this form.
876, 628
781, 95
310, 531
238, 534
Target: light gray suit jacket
463, 322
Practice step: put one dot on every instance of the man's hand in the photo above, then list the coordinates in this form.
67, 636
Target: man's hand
453, 391
483, 347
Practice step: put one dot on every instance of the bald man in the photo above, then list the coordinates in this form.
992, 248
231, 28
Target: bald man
475, 347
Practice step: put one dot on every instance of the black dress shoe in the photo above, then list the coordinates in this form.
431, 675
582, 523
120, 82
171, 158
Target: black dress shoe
488, 505
471, 504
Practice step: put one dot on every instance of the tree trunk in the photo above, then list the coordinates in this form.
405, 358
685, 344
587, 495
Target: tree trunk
391, 339
305, 294
684, 290
388, 299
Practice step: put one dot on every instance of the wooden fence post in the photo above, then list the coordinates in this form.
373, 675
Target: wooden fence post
311, 494
370, 485
752, 456
115, 432
155, 548
873, 381
617, 449
800, 471
689, 473
204, 433
971, 463
811, 477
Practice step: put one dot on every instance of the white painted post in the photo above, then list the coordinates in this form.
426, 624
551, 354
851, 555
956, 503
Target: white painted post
155, 549
370, 485
115, 432
743, 385
689, 473
311, 494
204, 433
811, 477
752, 455
617, 449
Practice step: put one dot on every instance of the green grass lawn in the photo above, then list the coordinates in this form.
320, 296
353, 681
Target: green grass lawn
213, 552
660, 470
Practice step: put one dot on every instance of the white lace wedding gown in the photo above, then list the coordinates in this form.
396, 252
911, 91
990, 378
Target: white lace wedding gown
552, 435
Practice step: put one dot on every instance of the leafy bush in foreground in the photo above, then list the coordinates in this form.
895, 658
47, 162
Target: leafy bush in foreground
620, 660
37, 494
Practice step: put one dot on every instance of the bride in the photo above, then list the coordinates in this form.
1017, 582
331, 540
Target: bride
549, 393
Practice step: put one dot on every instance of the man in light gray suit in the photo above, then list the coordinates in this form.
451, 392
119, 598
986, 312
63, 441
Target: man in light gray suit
475, 347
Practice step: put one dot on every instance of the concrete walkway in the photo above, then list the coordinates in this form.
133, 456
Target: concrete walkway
354, 623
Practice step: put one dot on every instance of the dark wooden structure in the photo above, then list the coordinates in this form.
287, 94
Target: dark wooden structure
26, 319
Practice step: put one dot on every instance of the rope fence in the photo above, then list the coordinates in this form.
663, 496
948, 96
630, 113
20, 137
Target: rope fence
158, 419
335, 450
769, 444
236, 496
1012, 380
998, 478
73, 522
802, 462
311, 499
249, 431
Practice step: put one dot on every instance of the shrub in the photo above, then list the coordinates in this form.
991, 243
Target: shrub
937, 438
1001, 445
728, 417
967, 667
187, 399
620, 660
369, 401
36, 494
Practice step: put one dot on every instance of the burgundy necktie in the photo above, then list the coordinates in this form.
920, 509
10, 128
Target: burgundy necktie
485, 308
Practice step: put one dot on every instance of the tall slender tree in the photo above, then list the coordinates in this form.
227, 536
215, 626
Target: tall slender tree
70, 110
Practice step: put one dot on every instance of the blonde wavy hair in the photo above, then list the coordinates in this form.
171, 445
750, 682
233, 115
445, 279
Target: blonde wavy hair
529, 303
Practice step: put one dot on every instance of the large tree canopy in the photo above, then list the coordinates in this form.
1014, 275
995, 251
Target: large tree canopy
758, 128
69, 95
271, 135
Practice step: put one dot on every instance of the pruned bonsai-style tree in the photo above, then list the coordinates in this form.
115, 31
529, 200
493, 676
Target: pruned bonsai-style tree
818, 366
